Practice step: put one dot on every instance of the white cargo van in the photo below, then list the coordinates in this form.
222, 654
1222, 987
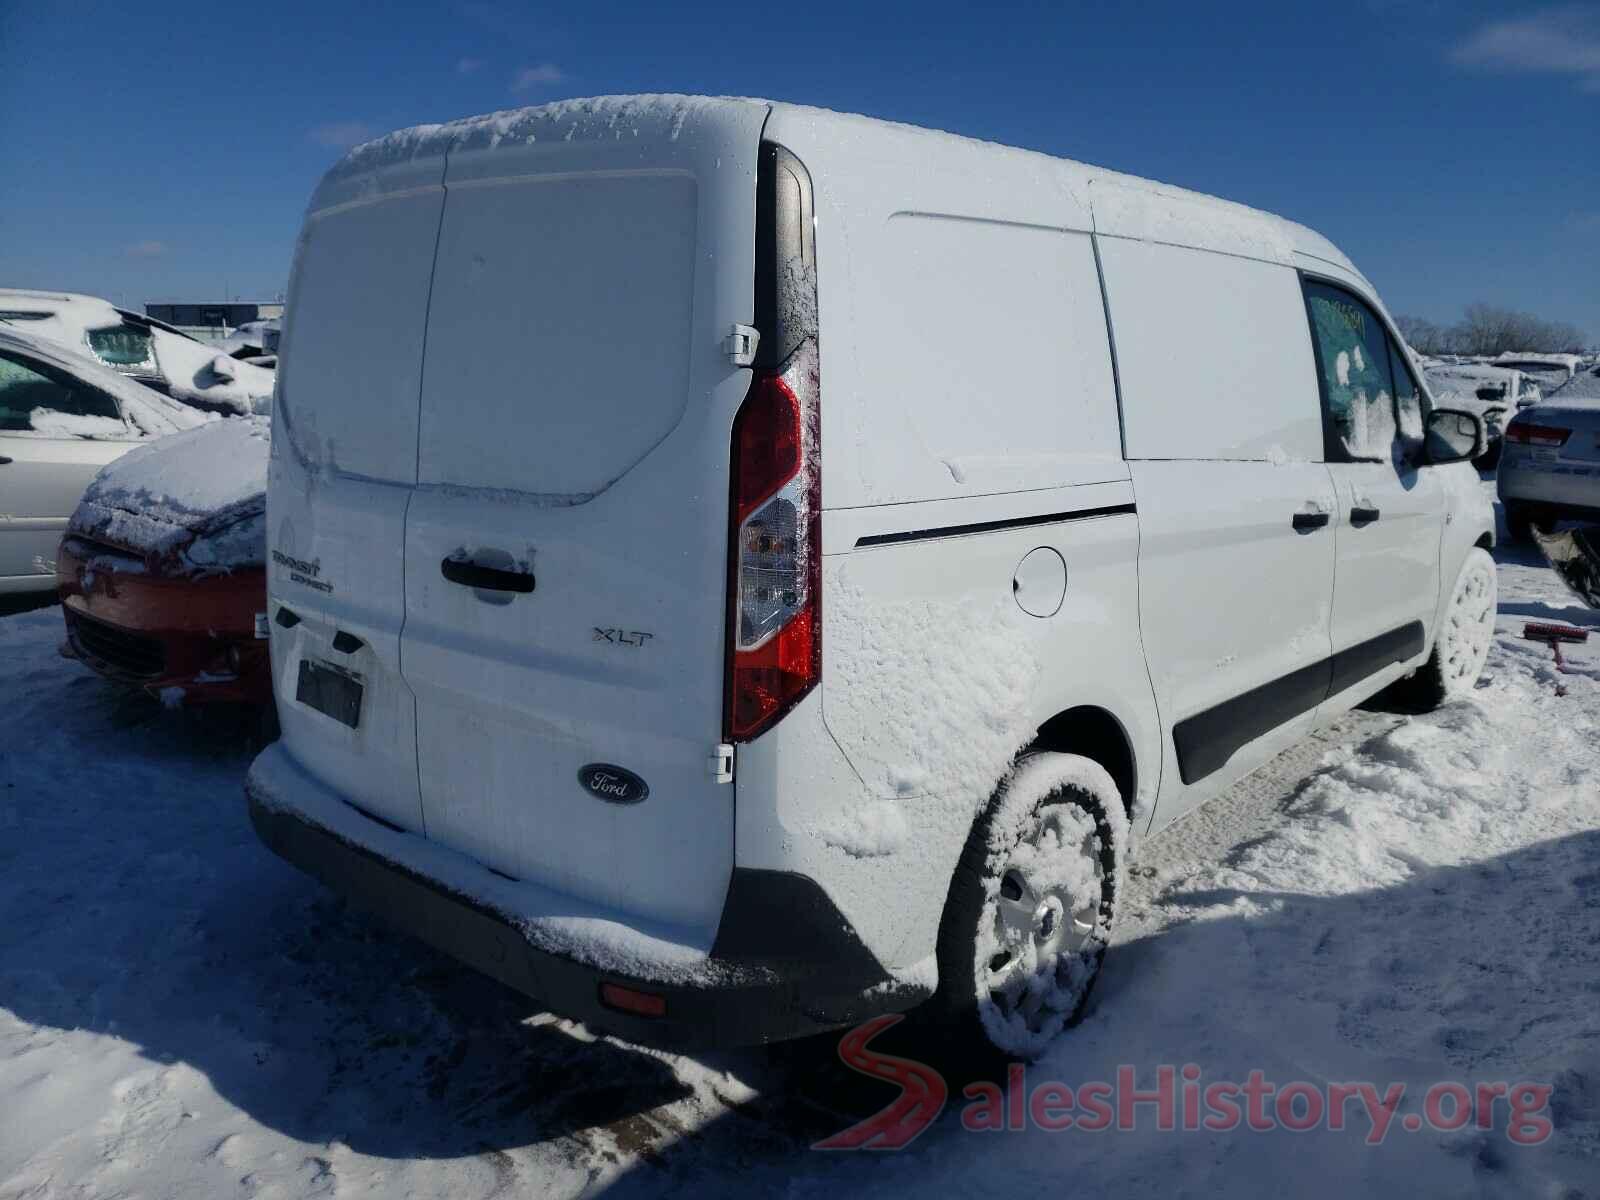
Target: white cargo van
737, 569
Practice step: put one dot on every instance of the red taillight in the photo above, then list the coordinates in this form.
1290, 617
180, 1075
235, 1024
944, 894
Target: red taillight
1537, 435
775, 549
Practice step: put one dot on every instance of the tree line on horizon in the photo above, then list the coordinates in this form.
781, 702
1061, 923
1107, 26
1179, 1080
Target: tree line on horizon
1489, 329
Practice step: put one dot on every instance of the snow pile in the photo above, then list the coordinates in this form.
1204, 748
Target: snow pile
202, 493
81, 425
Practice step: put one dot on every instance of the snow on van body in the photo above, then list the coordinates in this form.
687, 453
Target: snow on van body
576, 272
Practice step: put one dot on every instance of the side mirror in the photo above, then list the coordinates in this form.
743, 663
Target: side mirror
222, 368
1453, 436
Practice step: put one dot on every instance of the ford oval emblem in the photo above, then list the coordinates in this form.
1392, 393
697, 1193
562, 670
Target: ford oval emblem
612, 784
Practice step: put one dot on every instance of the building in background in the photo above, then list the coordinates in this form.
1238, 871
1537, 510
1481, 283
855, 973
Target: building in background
213, 320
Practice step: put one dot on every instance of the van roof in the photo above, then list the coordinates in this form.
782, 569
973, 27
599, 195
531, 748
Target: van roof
1144, 208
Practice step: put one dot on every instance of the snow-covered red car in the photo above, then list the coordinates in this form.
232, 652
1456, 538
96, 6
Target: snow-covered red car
162, 569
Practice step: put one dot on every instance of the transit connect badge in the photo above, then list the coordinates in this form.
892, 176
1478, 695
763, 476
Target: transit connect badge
612, 784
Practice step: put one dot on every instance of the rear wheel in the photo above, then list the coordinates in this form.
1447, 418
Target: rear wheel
1030, 910
1519, 521
1462, 646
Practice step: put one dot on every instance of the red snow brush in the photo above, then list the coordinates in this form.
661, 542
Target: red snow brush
1553, 636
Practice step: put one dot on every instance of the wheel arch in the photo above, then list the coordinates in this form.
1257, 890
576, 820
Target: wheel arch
1096, 734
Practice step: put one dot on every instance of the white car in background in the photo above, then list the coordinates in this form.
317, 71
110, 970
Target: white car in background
1491, 391
62, 418
146, 350
253, 342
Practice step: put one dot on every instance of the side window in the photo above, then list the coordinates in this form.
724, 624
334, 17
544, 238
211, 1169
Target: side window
1357, 388
37, 398
1410, 404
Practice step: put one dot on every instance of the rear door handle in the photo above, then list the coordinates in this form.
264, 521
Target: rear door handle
1362, 515
492, 579
1306, 521
4, 461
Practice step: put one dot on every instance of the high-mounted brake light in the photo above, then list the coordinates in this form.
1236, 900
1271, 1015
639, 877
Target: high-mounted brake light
1537, 435
775, 556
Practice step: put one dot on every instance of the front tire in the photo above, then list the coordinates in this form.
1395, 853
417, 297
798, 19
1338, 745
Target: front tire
1031, 909
1462, 644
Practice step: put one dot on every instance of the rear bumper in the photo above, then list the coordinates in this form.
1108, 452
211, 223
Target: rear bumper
784, 963
1571, 489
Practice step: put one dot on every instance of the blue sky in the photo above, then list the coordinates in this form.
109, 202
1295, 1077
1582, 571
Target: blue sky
166, 151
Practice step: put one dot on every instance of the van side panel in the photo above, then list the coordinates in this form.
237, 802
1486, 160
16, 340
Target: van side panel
1224, 435
969, 419
933, 678
1213, 354
959, 303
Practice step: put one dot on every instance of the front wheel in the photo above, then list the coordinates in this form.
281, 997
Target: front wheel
1462, 645
1031, 907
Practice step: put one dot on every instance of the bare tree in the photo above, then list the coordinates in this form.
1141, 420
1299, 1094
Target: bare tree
1486, 329
1422, 335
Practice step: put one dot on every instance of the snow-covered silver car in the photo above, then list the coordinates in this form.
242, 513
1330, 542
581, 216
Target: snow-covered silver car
62, 418
146, 350
1550, 468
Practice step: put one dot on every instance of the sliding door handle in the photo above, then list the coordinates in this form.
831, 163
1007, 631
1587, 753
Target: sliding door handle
1363, 515
1305, 522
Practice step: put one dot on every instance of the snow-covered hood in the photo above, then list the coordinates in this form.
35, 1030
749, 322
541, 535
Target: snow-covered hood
194, 501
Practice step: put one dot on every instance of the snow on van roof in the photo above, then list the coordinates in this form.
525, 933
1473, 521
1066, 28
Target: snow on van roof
1137, 207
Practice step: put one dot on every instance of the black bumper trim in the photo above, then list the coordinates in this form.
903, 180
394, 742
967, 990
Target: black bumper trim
809, 974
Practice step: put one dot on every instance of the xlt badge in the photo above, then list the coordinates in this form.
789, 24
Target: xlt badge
621, 637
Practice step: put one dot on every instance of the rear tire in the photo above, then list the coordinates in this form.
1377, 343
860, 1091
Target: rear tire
1029, 914
1462, 643
1519, 521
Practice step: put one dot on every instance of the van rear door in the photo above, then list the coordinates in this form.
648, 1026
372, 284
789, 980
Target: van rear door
566, 545
344, 458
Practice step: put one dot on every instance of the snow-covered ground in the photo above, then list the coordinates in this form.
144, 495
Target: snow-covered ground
1398, 900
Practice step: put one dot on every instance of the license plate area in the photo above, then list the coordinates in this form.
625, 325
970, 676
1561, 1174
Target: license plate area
330, 690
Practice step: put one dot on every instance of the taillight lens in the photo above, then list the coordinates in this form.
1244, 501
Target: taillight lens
775, 569
1537, 435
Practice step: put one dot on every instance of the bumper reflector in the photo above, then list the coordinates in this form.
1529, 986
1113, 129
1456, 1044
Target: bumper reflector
625, 999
